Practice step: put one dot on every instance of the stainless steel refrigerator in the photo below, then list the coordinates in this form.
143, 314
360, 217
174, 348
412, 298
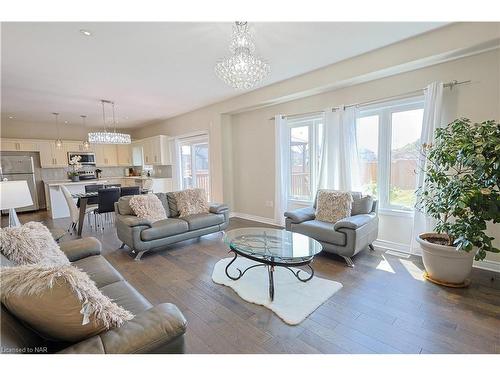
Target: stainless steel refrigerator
19, 168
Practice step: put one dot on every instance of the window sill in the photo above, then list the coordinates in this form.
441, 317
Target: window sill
394, 212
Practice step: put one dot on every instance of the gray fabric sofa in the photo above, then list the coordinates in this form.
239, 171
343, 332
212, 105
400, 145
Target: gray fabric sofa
154, 329
347, 237
141, 235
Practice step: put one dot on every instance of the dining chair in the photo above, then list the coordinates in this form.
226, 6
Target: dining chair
91, 189
130, 190
106, 199
74, 211
112, 185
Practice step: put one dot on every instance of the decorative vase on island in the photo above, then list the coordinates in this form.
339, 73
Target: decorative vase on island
75, 178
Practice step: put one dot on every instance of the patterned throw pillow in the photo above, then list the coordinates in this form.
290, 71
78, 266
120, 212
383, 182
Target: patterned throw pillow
60, 302
30, 243
333, 205
191, 201
148, 206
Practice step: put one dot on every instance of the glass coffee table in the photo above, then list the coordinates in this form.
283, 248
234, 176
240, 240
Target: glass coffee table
271, 248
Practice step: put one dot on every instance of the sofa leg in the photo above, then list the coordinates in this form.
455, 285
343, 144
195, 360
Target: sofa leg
122, 245
349, 261
370, 246
138, 255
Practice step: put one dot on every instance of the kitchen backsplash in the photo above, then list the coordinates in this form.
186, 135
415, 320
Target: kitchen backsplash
62, 173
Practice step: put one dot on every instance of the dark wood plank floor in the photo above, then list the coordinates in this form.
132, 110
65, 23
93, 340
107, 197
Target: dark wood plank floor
384, 307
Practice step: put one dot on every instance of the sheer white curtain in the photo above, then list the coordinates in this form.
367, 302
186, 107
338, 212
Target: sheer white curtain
282, 163
339, 160
433, 103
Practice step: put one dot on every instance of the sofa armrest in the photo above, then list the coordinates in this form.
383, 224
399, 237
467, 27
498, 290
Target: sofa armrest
218, 208
302, 214
134, 221
146, 333
81, 248
354, 222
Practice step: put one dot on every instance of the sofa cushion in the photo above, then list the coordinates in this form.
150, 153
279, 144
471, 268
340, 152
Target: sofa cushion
333, 205
148, 206
124, 205
31, 243
99, 270
61, 303
172, 204
320, 231
362, 205
123, 294
164, 228
164, 201
198, 221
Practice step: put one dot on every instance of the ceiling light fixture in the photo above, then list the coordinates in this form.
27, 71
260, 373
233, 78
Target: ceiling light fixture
86, 144
242, 70
11, 117
86, 32
109, 137
58, 142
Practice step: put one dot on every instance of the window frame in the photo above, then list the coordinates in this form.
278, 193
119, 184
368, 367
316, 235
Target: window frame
384, 112
313, 139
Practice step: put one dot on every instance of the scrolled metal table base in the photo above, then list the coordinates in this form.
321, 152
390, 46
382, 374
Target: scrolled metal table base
270, 264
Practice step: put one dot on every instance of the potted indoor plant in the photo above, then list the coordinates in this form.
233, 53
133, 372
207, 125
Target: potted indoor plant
460, 194
75, 166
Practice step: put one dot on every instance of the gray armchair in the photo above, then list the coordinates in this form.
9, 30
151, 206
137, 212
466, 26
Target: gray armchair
346, 237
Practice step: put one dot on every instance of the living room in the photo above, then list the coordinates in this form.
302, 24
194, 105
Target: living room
179, 186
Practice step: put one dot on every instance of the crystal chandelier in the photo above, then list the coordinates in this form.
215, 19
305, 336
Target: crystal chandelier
109, 137
242, 70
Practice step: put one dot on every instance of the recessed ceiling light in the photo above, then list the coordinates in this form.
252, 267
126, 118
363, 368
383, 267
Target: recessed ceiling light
86, 32
12, 117
65, 122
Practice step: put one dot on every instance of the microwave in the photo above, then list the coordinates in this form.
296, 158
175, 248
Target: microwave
87, 158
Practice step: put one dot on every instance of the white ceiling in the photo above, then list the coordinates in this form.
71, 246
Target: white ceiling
157, 70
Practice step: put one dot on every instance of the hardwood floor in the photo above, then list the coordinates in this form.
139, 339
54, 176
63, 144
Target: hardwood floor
385, 305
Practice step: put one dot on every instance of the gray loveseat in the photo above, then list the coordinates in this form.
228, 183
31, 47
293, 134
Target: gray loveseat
346, 237
141, 235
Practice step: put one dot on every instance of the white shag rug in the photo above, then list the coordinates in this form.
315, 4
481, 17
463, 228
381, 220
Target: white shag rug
294, 300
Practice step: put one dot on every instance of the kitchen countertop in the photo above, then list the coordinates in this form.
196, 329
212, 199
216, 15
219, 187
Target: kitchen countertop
102, 180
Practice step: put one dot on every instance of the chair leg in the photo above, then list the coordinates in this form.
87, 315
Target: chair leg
349, 261
138, 254
122, 245
370, 246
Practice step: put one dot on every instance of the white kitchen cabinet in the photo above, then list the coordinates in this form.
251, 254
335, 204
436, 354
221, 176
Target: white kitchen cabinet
124, 155
137, 153
106, 155
156, 150
19, 145
51, 156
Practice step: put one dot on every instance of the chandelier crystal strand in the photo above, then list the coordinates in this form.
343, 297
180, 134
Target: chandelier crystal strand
106, 137
243, 70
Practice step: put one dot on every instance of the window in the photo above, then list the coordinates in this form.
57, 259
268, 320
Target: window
305, 142
388, 138
194, 164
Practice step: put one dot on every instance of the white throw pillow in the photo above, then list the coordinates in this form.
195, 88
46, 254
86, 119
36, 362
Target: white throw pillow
148, 206
333, 205
31, 243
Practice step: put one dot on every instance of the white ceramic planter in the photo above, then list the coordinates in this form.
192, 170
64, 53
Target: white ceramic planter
444, 264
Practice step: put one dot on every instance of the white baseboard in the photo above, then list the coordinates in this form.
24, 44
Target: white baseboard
259, 219
389, 245
489, 265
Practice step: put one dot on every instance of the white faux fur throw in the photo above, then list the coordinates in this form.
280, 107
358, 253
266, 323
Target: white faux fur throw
32, 292
31, 243
148, 206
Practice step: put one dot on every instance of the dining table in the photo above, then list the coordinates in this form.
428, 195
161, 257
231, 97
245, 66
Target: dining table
82, 203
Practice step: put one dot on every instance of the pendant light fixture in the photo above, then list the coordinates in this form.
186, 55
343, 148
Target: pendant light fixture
86, 144
109, 137
58, 142
242, 70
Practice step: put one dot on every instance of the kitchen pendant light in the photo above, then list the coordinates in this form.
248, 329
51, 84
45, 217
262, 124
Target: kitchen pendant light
109, 137
86, 144
58, 142
242, 70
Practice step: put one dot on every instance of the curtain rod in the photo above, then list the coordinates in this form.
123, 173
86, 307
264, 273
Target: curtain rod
450, 84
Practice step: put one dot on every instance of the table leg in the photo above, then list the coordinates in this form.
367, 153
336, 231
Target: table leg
270, 270
83, 207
